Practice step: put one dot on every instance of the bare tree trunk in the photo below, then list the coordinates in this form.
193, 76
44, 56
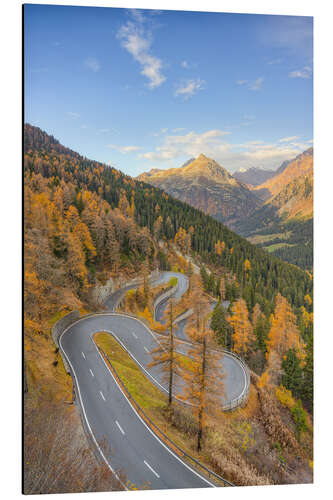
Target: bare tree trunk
202, 393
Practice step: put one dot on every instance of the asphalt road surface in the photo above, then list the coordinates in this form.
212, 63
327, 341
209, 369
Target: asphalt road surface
134, 448
131, 447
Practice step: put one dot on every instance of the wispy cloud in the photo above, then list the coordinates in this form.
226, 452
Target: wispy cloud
185, 64
189, 88
306, 72
124, 149
92, 64
73, 115
138, 41
191, 144
257, 84
160, 132
289, 139
174, 148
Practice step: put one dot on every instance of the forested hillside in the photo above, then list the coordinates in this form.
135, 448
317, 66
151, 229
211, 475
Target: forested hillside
163, 217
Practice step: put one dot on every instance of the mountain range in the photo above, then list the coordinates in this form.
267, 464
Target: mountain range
254, 176
206, 185
264, 211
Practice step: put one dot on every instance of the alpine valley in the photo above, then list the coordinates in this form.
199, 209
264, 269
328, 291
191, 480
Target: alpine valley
272, 209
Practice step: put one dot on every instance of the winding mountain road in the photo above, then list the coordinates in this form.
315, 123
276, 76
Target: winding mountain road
110, 418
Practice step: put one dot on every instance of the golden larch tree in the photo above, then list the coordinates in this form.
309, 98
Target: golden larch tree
242, 329
203, 377
165, 355
283, 335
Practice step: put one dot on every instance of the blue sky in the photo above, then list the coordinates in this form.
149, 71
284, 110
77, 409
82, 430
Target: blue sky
147, 89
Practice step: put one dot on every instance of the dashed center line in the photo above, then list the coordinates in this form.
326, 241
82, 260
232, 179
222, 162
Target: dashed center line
135, 336
147, 350
149, 467
119, 427
102, 395
92, 373
83, 355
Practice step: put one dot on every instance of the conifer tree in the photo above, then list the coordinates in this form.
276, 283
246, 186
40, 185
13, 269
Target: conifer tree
242, 329
203, 376
165, 355
292, 378
220, 326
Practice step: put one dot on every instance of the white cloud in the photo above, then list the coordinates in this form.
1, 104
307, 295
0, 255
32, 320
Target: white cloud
306, 72
125, 149
92, 64
73, 115
189, 88
289, 139
257, 84
190, 144
185, 64
137, 41
174, 148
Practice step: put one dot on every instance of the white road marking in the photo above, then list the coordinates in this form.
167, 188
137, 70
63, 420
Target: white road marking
144, 423
135, 336
92, 373
119, 427
102, 395
149, 467
147, 350
83, 355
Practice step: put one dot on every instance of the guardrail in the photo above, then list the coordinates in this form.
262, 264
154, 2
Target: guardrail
59, 327
165, 295
134, 283
234, 403
240, 400
174, 447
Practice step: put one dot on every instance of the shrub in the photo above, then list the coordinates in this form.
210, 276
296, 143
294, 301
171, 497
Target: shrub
285, 397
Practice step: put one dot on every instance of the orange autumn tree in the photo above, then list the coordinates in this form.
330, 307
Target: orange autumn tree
242, 335
203, 377
219, 247
283, 335
165, 355
200, 307
183, 240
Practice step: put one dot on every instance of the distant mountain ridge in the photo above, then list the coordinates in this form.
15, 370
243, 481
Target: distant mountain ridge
206, 185
254, 176
250, 210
